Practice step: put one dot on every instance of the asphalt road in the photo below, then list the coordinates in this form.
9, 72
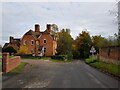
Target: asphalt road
48, 74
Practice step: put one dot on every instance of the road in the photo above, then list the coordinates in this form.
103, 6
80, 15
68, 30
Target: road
48, 74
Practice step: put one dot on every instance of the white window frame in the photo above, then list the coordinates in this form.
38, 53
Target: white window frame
32, 41
44, 40
24, 42
44, 49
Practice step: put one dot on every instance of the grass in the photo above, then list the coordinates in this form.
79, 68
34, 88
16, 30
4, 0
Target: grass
12, 56
108, 68
90, 60
0, 65
0, 56
19, 68
47, 58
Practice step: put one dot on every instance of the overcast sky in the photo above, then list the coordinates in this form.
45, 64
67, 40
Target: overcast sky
19, 17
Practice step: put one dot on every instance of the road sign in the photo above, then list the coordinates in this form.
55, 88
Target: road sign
92, 50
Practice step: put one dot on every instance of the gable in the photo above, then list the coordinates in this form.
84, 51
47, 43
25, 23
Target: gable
28, 37
45, 36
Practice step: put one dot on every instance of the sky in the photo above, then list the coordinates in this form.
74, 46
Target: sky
95, 17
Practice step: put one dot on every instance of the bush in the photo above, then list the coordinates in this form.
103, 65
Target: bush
59, 57
89, 60
69, 56
10, 50
23, 50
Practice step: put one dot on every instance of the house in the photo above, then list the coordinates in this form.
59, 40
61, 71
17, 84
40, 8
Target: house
38, 43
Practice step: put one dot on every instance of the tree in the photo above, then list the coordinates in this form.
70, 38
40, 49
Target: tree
117, 38
54, 30
64, 43
99, 41
23, 50
84, 44
0, 49
76, 54
116, 12
10, 50
54, 27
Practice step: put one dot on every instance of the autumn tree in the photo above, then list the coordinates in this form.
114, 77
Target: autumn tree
54, 27
64, 43
84, 43
76, 53
54, 30
23, 50
99, 41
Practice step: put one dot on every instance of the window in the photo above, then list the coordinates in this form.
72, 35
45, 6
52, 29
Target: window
32, 42
44, 49
24, 42
44, 40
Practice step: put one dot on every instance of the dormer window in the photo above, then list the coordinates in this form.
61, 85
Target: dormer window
32, 42
24, 42
44, 41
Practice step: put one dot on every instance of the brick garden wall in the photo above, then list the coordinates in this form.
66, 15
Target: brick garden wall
9, 63
110, 54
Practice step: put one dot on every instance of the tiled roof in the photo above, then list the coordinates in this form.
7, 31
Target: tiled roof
16, 41
6, 45
36, 34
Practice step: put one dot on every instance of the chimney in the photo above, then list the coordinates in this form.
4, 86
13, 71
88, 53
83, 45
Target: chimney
48, 27
11, 39
37, 28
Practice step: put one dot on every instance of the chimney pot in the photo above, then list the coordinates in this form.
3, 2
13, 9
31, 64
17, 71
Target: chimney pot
37, 28
11, 39
48, 27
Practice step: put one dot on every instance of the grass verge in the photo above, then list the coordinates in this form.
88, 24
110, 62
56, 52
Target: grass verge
90, 60
12, 56
108, 68
19, 68
0, 66
45, 58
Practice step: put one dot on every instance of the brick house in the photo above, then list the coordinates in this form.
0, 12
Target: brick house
38, 43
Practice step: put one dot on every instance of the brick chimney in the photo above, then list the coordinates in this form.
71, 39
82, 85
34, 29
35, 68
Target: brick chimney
37, 28
48, 27
11, 39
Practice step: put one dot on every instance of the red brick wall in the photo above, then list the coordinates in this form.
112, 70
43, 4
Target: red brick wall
28, 38
114, 52
49, 44
9, 63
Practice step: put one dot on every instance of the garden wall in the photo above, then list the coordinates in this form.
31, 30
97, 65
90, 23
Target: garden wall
9, 63
110, 54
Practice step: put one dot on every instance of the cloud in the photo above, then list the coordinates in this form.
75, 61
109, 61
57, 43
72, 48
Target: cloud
20, 17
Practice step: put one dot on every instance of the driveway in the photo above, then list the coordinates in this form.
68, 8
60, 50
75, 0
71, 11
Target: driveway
48, 74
